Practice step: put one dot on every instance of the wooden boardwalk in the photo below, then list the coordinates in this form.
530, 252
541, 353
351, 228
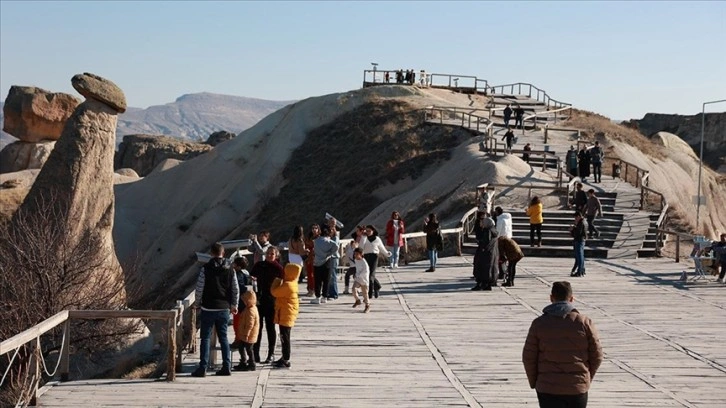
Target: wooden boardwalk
430, 342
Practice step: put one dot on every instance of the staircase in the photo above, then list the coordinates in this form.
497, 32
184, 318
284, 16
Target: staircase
556, 239
626, 232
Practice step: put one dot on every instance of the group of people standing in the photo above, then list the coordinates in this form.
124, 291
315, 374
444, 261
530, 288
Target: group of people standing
518, 116
222, 290
495, 246
578, 163
407, 77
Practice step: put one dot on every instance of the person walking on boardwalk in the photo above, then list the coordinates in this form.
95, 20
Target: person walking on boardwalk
592, 208
577, 231
265, 272
534, 211
310, 260
217, 292
287, 307
503, 222
239, 266
525, 154
395, 228
583, 163
259, 246
512, 253
719, 250
509, 138
519, 117
334, 261
562, 352
362, 280
596, 158
297, 252
580, 199
571, 162
487, 252
507, 116
248, 330
373, 246
324, 250
434, 240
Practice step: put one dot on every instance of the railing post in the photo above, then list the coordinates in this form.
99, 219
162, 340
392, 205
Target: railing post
34, 371
678, 248
642, 197
405, 250
65, 352
458, 245
626, 171
193, 331
171, 345
546, 130
179, 334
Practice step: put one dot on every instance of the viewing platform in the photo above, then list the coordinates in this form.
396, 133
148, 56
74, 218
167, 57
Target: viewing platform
430, 342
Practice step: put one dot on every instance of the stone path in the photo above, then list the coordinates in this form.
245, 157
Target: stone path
429, 342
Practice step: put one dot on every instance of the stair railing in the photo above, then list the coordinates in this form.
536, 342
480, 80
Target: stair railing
533, 117
530, 89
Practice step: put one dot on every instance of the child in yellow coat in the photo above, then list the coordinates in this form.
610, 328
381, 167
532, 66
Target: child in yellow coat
248, 329
287, 306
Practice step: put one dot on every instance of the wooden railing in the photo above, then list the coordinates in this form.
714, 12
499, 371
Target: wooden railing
529, 90
459, 83
533, 117
465, 118
32, 338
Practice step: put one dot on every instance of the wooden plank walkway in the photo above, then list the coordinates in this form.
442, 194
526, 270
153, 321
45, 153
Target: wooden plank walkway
430, 342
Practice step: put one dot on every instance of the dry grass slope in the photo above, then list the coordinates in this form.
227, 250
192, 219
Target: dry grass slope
341, 163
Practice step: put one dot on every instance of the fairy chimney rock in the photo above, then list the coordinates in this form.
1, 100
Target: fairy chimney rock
94, 87
78, 176
34, 114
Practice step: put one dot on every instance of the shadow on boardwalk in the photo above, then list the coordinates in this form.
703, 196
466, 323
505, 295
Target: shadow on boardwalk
429, 342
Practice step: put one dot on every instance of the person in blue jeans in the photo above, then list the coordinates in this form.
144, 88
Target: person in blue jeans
434, 240
578, 232
334, 262
217, 294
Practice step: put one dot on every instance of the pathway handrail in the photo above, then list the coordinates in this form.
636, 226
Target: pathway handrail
173, 318
533, 117
541, 93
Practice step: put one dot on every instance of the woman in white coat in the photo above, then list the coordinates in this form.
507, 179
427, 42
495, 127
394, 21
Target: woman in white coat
371, 248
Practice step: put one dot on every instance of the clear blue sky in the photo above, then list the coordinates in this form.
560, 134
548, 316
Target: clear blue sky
620, 59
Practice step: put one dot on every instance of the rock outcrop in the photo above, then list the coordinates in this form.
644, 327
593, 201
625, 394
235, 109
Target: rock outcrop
688, 128
23, 155
144, 152
76, 183
219, 137
34, 114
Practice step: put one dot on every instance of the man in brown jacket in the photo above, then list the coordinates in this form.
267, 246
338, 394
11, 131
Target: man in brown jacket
562, 352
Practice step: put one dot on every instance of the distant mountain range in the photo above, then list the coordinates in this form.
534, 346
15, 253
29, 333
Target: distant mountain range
190, 117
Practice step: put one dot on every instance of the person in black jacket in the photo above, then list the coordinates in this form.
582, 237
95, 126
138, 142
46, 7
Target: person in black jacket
580, 200
519, 117
487, 252
578, 233
507, 115
434, 240
263, 273
217, 293
583, 164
